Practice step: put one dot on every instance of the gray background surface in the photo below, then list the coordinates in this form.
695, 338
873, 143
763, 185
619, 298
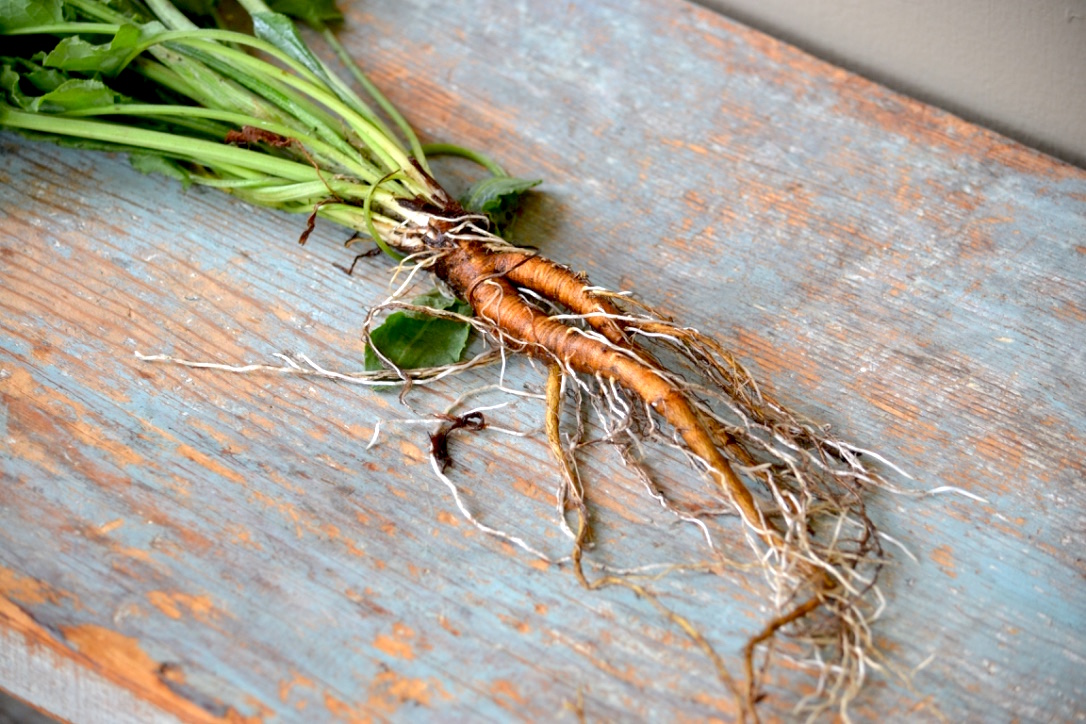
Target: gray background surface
1016, 66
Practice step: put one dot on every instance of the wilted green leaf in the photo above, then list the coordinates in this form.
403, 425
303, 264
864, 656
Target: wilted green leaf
46, 79
15, 14
497, 194
313, 12
64, 95
497, 197
280, 31
73, 94
74, 53
152, 163
9, 81
436, 300
413, 340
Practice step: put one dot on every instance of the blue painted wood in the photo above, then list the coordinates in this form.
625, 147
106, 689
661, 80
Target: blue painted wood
225, 546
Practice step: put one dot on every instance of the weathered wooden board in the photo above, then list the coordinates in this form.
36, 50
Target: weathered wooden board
180, 544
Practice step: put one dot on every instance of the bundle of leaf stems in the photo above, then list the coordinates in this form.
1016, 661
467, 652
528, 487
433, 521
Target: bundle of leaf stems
264, 118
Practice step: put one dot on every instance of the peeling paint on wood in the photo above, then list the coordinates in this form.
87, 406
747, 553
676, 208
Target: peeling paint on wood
202, 546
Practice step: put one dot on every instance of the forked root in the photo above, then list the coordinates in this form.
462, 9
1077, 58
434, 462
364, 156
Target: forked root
808, 525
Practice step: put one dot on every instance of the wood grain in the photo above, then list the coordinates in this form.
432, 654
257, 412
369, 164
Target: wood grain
210, 546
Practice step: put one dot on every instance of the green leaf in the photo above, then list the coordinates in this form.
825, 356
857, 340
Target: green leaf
436, 300
150, 163
280, 31
497, 197
497, 194
74, 53
314, 12
72, 94
413, 340
9, 81
46, 79
15, 14
63, 94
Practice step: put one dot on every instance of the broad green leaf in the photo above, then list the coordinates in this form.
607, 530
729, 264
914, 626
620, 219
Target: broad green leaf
153, 163
314, 12
497, 194
497, 197
74, 53
72, 94
15, 14
413, 340
280, 31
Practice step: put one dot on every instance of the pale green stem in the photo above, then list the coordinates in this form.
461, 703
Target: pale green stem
374, 92
97, 10
236, 183
386, 149
266, 96
66, 28
168, 144
170, 16
311, 144
229, 36
256, 7
448, 149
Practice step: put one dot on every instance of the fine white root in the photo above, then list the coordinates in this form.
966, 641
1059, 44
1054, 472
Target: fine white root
291, 368
519, 542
